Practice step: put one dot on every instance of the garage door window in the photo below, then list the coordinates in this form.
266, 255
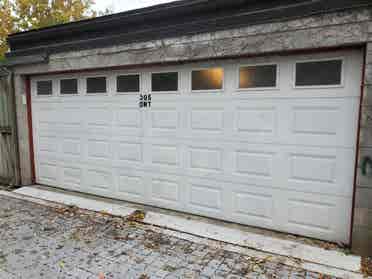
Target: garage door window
69, 86
44, 88
260, 76
164, 82
96, 85
128, 83
207, 79
319, 73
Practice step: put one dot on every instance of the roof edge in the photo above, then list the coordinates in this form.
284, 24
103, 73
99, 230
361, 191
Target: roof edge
246, 13
177, 4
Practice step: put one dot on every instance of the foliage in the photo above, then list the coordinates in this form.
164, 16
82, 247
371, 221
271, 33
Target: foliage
22, 15
6, 24
42, 13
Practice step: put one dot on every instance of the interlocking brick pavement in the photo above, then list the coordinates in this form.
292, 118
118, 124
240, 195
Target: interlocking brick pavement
42, 242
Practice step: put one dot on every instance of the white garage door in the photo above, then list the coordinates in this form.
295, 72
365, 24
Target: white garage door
268, 142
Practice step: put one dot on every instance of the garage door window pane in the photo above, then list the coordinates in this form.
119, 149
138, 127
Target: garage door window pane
44, 87
69, 86
257, 76
208, 79
96, 85
164, 82
128, 83
319, 73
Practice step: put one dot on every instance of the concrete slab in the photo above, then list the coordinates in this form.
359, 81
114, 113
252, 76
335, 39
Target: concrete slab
71, 199
264, 243
314, 258
314, 267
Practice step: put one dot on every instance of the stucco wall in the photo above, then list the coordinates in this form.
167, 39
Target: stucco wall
362, 235
332, 30
337, 29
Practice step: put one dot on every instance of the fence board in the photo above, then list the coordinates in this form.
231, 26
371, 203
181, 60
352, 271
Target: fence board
8, 148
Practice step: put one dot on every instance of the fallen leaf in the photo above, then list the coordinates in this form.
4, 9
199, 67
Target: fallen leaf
136, 216
105, 213
367, 266
61, 264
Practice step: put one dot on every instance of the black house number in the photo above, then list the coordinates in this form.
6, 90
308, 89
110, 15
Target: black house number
145, 101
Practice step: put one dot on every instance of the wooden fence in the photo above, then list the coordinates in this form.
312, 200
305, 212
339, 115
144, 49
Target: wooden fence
8, 143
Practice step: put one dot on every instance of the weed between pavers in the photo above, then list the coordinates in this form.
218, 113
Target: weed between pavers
3, 259
169, 268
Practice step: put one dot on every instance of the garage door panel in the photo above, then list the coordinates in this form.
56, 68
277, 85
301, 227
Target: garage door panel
315, 120
281, 159
253, 207
70, 119
205, 159
45, 126
47, 170
99, 148
205, 120
100, 180
320, 170
128, 121
71, 146
318, 215
314, 215
164, 121
71, 177
98, 117
166, 191
48, 112
256, 121
205, 197
71, 116
313, 168
92, 131
129, 151
254, 162
165, 155
322, 122
131, 185
48, 143
71, 131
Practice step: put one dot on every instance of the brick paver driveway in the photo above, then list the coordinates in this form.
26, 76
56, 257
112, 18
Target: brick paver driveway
42, 242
